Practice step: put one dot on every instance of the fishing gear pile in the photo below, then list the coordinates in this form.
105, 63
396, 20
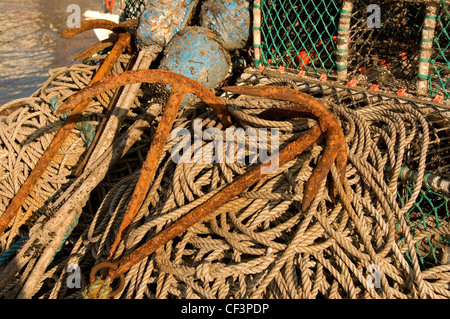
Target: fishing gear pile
117, 180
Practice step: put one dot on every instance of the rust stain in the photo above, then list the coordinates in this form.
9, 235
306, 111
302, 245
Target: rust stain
9, 110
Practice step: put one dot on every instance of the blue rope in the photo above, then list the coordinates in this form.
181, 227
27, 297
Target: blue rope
12, 250
66, 236
86, 128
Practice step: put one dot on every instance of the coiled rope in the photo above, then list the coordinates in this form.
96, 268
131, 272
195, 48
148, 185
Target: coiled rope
260, 244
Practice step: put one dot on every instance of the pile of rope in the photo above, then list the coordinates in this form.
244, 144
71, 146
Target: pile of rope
258, 245
27, 129
27, 126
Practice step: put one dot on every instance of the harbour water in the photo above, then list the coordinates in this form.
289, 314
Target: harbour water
30, 43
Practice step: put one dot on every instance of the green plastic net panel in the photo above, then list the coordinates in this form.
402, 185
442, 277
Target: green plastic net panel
439, 77
303, 35
300, 35
408, 51
430, 212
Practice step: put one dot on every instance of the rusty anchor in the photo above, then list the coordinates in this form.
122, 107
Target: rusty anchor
122, 43
335, 152
180, 86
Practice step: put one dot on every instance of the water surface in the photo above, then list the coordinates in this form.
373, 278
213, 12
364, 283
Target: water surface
30, 44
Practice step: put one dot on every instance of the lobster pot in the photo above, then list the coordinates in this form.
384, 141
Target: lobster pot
398, 46
369, 55
297, 34
438, 79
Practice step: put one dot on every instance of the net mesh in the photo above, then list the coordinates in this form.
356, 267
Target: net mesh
430, 211
132, 9
387, 56
440, 70
300, 35
438, 157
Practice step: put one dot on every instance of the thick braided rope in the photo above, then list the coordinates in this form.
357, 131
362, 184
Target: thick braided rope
260, 245
27, 126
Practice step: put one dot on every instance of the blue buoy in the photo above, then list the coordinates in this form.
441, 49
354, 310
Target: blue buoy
230, 19
198, 54
162, 19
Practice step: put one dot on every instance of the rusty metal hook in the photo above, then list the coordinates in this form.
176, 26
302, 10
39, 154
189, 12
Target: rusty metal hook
100, 24
96, 47
180, 86
117, 28
111, 266
307, 106
334, 151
